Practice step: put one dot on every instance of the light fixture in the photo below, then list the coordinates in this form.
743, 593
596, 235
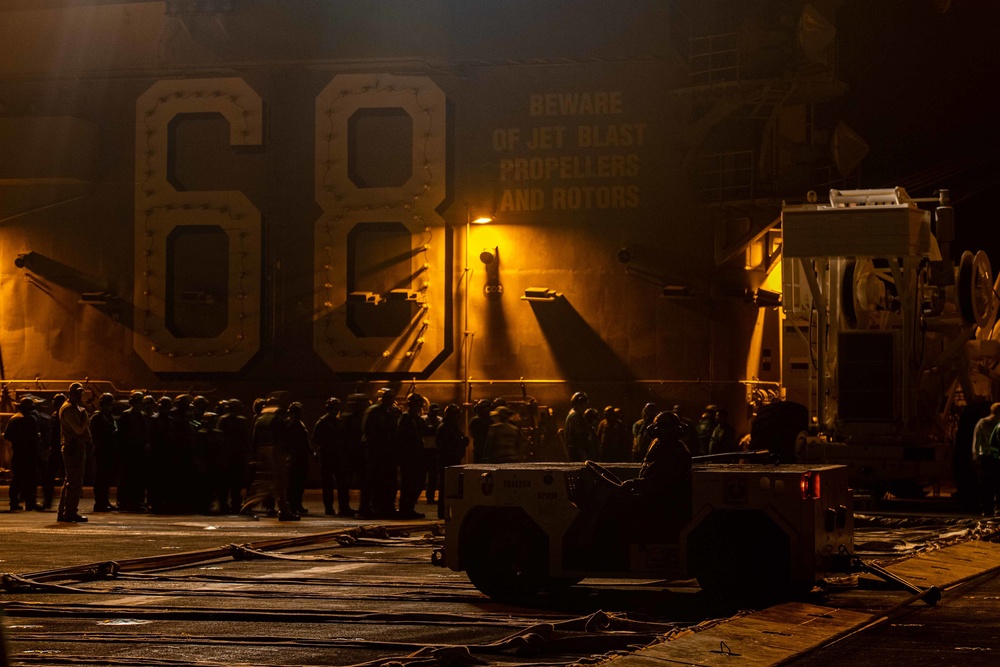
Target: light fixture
754, 255
98, 299
626, 255
401, 295
766, 298
540, 294
23, 260
364, 297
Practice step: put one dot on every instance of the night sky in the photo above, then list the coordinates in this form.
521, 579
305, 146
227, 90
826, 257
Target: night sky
924, 78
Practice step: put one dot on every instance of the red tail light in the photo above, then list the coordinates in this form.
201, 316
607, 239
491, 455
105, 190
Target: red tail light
809, 485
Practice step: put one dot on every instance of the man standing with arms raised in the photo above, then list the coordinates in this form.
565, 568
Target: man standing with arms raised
75, 425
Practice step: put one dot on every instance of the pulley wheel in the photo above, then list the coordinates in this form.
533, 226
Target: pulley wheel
975, 288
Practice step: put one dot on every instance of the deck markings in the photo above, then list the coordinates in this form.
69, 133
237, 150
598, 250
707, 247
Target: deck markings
767, 637
776, 634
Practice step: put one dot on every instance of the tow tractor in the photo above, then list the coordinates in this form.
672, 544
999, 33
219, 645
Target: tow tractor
518, 529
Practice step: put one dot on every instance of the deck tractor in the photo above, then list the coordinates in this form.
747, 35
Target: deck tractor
518, 529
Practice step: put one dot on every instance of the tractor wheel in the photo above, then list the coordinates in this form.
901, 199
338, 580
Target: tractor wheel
740, 554
507, 557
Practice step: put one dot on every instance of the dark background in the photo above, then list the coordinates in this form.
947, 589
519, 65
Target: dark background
924, 78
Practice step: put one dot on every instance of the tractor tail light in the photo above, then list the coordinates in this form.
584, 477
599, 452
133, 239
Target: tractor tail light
809, 485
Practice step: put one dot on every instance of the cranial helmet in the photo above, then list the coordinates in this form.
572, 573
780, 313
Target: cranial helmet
578, 397
666, 424
503, 413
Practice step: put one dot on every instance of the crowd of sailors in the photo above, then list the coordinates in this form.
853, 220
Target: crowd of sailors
185, 455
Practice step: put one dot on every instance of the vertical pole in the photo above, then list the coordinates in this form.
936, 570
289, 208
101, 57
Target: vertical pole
811, 268
466, 338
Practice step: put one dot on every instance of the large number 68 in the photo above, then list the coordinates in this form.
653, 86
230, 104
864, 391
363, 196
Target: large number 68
397, 331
